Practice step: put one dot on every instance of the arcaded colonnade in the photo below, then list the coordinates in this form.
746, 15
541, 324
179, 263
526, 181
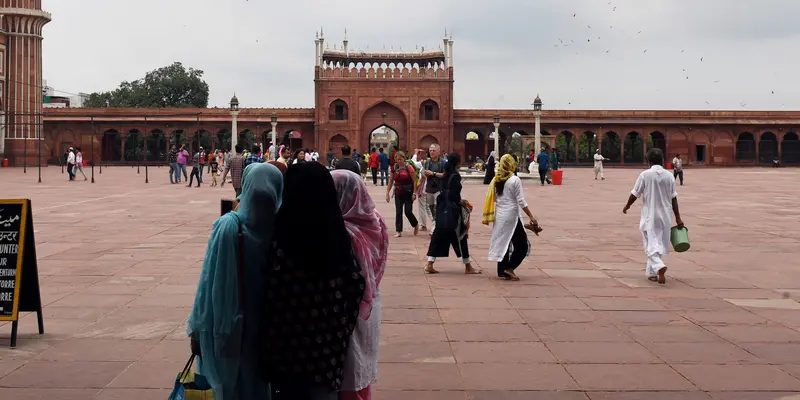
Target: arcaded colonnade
712, 138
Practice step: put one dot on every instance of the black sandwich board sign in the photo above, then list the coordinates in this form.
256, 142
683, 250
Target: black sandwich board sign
19, 273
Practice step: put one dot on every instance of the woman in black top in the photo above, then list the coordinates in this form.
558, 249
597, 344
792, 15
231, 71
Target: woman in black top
451, 229
314, 291
489, 167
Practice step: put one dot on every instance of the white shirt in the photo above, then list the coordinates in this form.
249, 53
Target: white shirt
656, 188
71, 158
598, 160
314, 156
677, 164
507, 210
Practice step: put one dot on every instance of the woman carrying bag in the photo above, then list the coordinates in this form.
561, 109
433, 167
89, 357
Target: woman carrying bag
226, 315
404, 180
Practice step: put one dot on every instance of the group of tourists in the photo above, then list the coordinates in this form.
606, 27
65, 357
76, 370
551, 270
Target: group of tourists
74, 161
294, 315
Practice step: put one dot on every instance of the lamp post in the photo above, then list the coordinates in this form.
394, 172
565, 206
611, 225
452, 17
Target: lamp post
273, 149
537, 112
234, 128
496, 138
93, 161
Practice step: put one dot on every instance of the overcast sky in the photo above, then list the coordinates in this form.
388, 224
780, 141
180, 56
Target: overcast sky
623, 54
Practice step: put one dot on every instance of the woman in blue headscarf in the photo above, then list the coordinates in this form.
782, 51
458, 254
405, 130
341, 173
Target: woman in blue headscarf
224, 319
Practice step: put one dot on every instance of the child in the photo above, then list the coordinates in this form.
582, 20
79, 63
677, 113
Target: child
214, 171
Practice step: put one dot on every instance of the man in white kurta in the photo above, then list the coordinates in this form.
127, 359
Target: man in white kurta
656, 188
598, 165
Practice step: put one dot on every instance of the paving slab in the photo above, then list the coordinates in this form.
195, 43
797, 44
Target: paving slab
120, 259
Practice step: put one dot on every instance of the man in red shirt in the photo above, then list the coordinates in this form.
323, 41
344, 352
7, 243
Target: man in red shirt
373, 166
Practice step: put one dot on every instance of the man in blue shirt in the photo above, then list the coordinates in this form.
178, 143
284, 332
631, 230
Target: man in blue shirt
543, 159
383, 162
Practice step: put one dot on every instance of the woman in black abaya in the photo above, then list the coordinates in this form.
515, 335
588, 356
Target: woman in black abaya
489, 168
315, 288
451, 226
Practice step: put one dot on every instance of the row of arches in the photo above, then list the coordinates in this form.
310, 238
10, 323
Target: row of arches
407, 72
135, 145
338, 110
383, 65
575, 148
768, 148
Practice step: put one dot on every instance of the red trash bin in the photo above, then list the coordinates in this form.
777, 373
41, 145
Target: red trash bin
558, 176
669, 165
5, 163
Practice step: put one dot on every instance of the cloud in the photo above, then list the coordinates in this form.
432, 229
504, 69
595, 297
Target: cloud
505, 51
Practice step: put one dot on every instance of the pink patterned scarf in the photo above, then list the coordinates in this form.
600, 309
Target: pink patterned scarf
368, 232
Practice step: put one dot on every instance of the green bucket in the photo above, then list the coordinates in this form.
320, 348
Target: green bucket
679, 239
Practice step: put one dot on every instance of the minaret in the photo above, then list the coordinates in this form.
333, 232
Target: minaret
21, 78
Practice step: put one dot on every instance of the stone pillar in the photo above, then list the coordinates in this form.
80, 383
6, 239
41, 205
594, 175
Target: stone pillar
122, 147
622, 150
23, 21
578, 148
644, 152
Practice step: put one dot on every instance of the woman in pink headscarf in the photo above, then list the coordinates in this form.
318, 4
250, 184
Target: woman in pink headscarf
370, 238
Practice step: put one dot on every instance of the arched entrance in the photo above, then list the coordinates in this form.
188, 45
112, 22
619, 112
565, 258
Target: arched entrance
587, 145
634, 148
133, 145
745, 147
111, 146
385, 120
657, 140
790, 149
293, 139
767, 148
426, 142
336, 144
473, 145
611, 147
156, 145
565, 144
384, 137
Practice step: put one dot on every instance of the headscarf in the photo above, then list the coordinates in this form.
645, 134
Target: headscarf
281, 166
217, 315
505, 171
368, 232
310, 201
315, 288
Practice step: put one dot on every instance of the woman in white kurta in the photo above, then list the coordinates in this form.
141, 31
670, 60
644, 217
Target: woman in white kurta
509, 244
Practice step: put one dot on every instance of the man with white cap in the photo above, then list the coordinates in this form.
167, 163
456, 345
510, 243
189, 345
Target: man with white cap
598, 165
71, 164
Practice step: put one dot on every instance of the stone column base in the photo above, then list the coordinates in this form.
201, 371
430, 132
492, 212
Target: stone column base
18, 152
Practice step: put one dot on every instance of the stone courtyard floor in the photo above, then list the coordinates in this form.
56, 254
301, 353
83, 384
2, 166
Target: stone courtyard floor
119, 262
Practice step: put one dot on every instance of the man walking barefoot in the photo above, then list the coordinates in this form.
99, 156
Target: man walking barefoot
656, 187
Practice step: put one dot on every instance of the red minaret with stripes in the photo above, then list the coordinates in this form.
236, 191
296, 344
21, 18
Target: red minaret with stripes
21, 91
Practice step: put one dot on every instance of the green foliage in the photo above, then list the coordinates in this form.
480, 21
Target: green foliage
170, 86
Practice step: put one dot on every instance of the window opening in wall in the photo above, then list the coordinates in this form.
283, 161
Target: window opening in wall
428, 112
339, 112
700, 154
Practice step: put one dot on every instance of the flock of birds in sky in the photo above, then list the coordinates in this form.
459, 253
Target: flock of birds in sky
571, 42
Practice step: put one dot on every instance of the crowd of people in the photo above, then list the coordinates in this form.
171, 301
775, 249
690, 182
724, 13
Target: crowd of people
272, 319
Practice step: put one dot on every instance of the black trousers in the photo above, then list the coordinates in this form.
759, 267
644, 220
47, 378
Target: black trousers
374, 176
195, 172
403, 202
519, 241
542, 175
678, 173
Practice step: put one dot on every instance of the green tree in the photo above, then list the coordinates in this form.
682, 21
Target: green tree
170, 86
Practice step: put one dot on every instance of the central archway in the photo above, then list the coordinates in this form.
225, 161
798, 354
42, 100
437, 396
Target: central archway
383, 117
